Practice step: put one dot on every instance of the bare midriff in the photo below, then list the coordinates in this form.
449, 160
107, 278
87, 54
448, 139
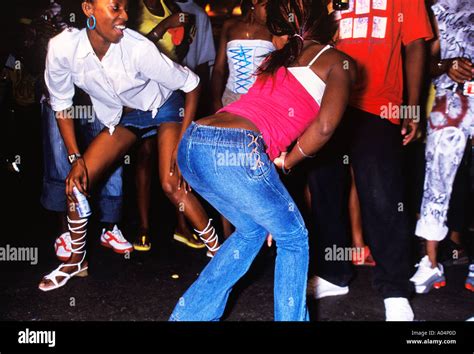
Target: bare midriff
228, 120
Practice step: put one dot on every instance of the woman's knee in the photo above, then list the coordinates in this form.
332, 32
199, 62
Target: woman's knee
170, 188
295, 241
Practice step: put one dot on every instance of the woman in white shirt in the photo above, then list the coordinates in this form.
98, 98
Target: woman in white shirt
128, 80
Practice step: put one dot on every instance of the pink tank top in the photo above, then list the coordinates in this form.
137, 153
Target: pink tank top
280, 107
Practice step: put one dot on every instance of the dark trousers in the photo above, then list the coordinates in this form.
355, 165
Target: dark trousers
373, 146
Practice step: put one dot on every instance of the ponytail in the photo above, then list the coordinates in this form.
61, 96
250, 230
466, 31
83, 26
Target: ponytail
299, 20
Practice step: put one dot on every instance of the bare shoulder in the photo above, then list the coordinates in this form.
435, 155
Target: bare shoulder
338, 61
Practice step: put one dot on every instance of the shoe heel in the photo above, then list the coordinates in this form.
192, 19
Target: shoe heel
82, 273
439, 285
469, 287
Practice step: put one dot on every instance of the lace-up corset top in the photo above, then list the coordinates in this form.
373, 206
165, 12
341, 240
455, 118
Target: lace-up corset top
282, 106
244, 57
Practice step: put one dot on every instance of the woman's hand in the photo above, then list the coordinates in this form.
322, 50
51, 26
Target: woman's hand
77, 177
280, 160
460, 70
174, 169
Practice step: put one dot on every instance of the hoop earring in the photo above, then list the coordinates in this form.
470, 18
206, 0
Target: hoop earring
89, 26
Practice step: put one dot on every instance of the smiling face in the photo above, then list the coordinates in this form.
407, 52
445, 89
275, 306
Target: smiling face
111, 16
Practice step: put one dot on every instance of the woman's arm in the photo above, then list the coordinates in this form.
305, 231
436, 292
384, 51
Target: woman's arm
458, 69
221, 71
341, 76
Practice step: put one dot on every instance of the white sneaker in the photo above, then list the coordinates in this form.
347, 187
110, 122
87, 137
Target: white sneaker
115, 240
398, 309
63, 247
427, 278
321, 288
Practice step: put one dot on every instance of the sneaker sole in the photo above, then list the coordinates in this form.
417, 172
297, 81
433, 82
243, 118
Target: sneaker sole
127, 250
425, 289
332, 293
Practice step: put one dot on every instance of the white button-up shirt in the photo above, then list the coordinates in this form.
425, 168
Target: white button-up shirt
133, 73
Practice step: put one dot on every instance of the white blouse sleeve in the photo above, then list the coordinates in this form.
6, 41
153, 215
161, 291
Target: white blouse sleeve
154, 65
58, 78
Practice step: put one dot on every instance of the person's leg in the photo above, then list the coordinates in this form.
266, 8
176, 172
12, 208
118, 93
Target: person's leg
445, 148
104, 151
376, 152
186, 202
55, 170
108, 192
355, 217
227, 227
258, 204
145, 157
360, 252
452, 249
328, 182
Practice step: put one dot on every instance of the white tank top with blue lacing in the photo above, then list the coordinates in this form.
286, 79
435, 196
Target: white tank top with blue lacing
244, 57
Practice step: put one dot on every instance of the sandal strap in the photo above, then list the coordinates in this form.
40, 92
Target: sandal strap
213, 238
59, 273
80, 229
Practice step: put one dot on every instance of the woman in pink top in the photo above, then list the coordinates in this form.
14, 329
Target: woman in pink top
228, 158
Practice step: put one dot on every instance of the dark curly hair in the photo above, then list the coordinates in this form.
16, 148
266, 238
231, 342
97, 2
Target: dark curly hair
299, 19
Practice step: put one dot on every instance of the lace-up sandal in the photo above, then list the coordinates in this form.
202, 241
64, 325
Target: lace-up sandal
210, 239
81, 270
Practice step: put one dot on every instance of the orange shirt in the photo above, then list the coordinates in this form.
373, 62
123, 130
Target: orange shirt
372, 33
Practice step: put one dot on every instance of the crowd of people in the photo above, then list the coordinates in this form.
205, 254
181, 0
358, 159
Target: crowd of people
293, 84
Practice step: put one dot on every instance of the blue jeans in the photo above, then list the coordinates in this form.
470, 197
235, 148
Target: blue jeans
56, 168
230, 169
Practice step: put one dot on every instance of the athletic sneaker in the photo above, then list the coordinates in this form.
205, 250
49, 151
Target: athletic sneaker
319, 288
470, 278
398, 309
63, 247
115, 240
427, 278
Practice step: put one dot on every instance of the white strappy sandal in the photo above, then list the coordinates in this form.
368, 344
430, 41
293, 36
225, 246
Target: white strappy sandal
209, 240
81, 271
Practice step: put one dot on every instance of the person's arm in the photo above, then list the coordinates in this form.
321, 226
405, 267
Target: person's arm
458, 69
333, 105
415, 68
416, 29
220, 71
